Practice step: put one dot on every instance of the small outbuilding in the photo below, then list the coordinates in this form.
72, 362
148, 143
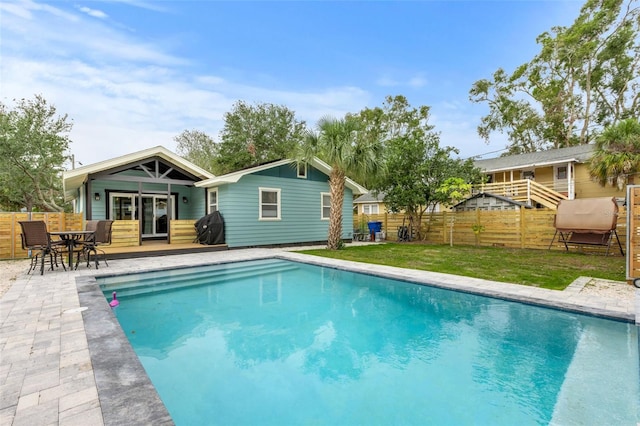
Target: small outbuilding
488, 201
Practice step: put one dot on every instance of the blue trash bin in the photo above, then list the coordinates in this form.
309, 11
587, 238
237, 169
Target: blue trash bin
373, 228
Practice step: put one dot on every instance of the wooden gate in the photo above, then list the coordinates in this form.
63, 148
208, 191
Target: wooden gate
633, 232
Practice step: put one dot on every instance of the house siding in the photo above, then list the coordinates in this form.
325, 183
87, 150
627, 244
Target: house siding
588, 188
300, 209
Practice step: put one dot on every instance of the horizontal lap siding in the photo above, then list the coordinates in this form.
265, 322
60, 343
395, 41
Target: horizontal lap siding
300, 212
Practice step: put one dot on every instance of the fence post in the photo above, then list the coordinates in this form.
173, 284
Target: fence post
444, 227
522, 228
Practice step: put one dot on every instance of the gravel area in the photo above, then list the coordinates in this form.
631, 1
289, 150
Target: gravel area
603, 288
10, 270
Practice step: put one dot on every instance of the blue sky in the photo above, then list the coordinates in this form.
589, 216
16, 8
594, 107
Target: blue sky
132, 74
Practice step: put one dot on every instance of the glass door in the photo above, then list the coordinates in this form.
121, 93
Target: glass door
152, 214
155, 215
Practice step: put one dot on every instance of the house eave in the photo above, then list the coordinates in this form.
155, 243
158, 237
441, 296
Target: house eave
532, 165
72, 180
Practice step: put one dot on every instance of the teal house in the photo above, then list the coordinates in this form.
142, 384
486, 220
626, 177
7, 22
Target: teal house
278, 203
148, 191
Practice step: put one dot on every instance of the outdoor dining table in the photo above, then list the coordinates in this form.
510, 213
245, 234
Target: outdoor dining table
71, 238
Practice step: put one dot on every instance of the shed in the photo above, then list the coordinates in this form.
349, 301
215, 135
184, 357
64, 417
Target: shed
488, 201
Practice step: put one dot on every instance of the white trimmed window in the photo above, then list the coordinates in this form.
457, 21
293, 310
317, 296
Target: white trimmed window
302, 170
370, 209
269, 208
325, 203
213, 200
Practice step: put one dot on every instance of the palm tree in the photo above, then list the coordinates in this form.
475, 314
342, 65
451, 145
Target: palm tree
617, 154
336, 142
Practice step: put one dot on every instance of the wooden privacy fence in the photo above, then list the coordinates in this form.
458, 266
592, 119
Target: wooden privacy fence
526, 228
633, 246
10, 243
125, 233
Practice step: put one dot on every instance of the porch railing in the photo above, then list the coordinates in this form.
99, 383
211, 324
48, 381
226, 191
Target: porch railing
525, 190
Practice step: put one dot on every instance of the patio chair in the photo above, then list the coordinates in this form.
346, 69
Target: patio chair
36, 238
102, 237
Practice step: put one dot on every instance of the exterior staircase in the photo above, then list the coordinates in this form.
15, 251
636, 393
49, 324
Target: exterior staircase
526, 191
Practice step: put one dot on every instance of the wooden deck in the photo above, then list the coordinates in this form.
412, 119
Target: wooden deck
159, 248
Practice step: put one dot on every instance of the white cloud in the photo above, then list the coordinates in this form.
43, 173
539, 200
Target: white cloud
94, 12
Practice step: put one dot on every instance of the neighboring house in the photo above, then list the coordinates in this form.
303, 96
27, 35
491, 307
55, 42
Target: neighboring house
368, 204
487, 201
543, 178
270, 204
278, 203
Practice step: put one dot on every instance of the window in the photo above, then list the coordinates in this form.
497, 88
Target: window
213, 200
561, 172
302, 170
370, 209
325, 201
269, 204
528, 175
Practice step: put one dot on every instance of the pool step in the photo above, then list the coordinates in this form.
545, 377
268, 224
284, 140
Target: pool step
154, 282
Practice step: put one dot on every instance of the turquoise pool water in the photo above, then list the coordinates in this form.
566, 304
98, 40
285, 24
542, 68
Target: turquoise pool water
275, 342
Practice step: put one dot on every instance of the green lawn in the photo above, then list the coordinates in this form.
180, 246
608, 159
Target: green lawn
553, 269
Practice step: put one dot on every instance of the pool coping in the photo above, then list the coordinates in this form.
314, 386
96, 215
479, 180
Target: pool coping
47, 373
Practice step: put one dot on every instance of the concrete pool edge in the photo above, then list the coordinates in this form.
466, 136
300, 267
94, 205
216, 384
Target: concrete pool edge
127, 395
567, 300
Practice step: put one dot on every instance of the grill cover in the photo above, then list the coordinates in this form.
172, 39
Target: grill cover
593, 215
210, 229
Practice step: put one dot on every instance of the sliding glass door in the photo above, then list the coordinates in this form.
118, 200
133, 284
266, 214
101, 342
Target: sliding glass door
153, 212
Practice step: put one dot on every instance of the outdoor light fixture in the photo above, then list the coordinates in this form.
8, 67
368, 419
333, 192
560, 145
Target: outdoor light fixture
185, 200
96, 196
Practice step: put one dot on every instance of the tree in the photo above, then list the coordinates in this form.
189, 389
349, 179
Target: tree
198, 147
257, 134
33, 143
417, 172
586, 77
617, 154
337, 143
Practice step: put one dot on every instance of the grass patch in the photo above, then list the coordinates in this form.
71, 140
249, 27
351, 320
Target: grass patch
541, 268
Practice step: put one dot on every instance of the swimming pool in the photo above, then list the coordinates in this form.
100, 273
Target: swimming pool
278, 342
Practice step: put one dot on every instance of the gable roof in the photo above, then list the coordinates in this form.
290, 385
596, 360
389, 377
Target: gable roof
73, 179
496, 196
369, 198
234, 177
575, 154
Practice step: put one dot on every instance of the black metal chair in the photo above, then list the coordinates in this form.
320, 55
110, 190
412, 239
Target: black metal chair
101, 237
36, 238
